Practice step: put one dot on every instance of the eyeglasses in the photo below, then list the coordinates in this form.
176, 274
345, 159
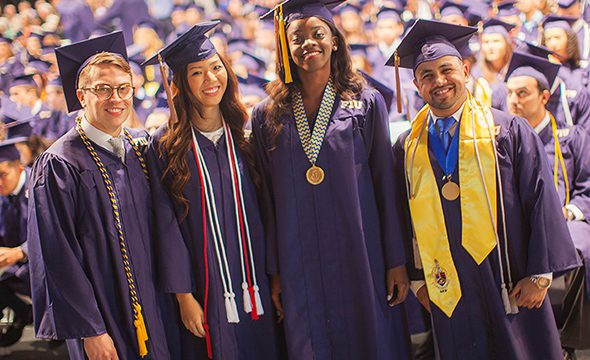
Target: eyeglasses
105, 92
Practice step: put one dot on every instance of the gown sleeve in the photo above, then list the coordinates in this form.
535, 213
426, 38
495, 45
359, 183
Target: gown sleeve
381, 164
64, 301
267, 201
550, 247
173, 264
580, 192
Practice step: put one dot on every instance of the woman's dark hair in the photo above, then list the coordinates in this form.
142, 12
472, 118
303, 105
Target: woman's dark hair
571, 48
176, 142
347, 82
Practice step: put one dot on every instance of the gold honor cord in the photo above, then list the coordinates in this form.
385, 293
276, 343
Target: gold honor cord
558, 160
138, 322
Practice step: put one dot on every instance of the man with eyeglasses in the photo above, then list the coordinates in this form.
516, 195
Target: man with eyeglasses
89, 228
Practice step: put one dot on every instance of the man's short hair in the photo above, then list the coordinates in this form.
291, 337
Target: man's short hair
103, 58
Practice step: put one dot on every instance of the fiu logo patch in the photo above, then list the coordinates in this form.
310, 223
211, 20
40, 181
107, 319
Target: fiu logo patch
45, 114
439, 277
141, 141
351, 104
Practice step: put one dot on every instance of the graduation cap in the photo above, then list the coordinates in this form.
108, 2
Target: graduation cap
252, 62
542, 70
359, 49
5, 40
40, 66
252, 85
383, 89
386, 12
11, 111
564, 4
507, 8
148, 23
497, 26
527, 47
428, 40
348, 8
191, 46
450, 8
238, 44
558, 22
19, 129
23, 80
8, 151
55, 82
71, 59
291, 10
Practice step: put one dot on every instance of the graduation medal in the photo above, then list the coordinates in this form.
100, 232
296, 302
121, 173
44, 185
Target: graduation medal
450, 190
312, 142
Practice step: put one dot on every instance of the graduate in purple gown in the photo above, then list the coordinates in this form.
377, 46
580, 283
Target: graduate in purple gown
529, 80
484, 278
76, 19
14, 280
211, 241
333, 245
89, 218
573, 8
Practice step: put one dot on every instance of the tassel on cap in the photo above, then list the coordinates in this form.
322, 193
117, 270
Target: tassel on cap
283, 54
164, 72
398, 93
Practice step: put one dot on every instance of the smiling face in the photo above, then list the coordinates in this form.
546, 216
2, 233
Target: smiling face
106, 115
207, 80
311, 43
441, 83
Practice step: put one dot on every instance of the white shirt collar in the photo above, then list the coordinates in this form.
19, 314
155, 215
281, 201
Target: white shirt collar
456, 115
20, 184
96, 135
543, 124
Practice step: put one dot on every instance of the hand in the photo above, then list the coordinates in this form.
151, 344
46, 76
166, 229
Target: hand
565, 213
191, 314
100, 347
423, 298
10, 256
397, 285
528, 294
275, 294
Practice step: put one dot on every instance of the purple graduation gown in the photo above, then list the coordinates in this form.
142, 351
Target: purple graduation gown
76, 19
13, 233
180, 264
332, 243
538, 242
78, 282
575, 146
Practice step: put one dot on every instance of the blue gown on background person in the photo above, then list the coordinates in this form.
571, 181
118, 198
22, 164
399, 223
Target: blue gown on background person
538, 243
180, 262
332, 243
78, 281
13, 233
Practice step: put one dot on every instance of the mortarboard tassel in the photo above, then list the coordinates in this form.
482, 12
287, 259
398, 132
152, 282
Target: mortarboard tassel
283, 47
173, 117
141, 331
397, 83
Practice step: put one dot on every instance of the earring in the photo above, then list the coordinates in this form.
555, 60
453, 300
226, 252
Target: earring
335, 48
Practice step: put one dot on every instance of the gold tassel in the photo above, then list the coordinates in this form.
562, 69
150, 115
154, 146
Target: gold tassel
283, 49
141, 331
398, 91
173, 118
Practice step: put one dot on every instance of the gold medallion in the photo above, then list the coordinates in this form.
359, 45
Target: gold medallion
315, 175
450, 191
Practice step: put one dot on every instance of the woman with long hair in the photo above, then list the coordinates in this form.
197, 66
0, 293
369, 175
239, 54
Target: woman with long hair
210, 247
334, 246
488, 73
559, 37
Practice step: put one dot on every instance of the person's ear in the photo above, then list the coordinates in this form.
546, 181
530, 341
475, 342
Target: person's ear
80, 96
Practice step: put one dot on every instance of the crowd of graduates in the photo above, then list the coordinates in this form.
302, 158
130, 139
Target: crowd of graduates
251, 204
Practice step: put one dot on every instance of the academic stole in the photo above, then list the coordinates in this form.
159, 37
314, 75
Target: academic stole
250, 289
312, 142
475, 132
138, 322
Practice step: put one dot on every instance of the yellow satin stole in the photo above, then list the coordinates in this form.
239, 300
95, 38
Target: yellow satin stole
477, 178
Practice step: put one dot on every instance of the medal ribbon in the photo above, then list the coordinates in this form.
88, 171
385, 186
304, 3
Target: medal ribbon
446, 160
313, 143
138, 321
478, 236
